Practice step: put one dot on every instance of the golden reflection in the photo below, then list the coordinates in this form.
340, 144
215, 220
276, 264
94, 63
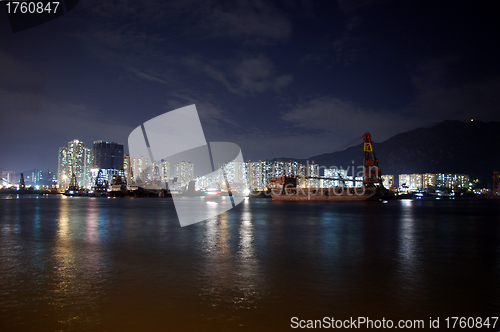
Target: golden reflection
407, 233
216, 238
246, 235
63, 222
222, 231
77, 268
219, 265
64, 258
250, 277
409, 265
233, 276
91, 228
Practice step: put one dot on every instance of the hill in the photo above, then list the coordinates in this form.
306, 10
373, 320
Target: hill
449, 147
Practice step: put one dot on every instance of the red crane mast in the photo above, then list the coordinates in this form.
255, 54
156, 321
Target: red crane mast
372, 173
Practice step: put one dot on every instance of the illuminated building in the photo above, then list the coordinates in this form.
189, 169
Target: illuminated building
387, 180
205, 182
416, 181
452, 181
404, 181
259, 174
438, 181
165, 171
7, 178
158, 174
127, 168
107, 162
33, 177
313, 173
234, 173
74, 159
139, 170
298, 170
410, 181
333, 178
108, 155
184, 172
155, 173
429, 180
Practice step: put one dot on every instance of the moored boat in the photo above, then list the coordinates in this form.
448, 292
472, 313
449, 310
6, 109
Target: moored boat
371, 187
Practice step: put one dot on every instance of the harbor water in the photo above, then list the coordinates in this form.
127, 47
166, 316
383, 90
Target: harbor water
125, 264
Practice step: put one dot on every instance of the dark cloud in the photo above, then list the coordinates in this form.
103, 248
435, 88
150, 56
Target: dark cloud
277, 77
441, 97
341, 120
245, 76
21, 87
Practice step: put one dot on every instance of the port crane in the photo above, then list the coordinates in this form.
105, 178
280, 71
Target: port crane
372, 176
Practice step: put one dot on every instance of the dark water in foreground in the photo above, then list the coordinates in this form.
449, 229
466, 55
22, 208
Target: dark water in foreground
82, 264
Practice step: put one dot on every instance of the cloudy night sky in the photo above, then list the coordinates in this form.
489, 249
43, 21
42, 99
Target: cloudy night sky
285, 78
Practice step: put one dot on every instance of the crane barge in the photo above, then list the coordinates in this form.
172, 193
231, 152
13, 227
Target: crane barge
371, 187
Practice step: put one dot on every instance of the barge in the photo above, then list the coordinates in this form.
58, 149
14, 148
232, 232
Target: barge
286, 188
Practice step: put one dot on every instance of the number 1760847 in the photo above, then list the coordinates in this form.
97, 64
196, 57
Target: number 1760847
32, 7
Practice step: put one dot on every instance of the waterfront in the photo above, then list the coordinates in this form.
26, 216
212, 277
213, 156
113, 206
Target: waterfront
125, 264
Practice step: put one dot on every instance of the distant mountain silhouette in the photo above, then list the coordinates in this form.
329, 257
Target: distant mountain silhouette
449, 147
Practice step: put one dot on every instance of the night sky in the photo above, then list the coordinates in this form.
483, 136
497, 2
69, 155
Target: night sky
285, 78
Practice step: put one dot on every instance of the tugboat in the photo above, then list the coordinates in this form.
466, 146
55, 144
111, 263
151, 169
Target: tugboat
74, 189
371, 188
118, 187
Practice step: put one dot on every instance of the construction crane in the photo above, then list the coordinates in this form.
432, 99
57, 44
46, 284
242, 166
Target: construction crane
373, 174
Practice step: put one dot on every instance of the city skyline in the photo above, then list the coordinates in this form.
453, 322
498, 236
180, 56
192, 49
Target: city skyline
249, 165
258, 175
276, 78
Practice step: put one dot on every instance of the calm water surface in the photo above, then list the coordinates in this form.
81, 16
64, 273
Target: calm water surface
97, 264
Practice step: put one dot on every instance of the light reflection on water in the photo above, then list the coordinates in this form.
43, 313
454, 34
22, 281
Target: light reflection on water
126, 264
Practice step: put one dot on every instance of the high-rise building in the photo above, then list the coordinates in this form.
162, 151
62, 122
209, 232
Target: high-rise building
127, 168
158, 174
313, 173
410, 181
108, 162
139, 170
416, 181
452, 181
35, 177
233, 172
387, 180
404, 181
184, 171
75, 159
7, 178
438, 181
259, 174
108, 155
165, 171
429, 180
334, 177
